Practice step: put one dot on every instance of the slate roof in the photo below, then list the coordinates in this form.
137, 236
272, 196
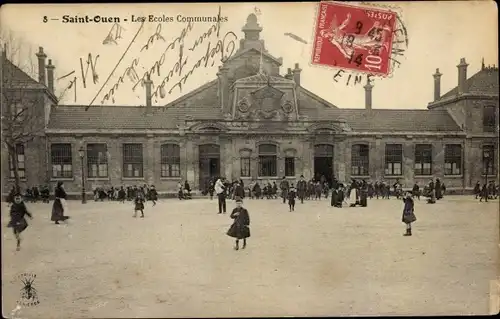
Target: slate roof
206, 107
130, 117
15, 77
483, 82
388, 120
126, 117
134, 117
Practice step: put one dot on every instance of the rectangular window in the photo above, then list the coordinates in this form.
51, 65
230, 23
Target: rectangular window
360, 160
97, 160
394, 160
289, 166
21, 166
170, 160
267, 165
423, 159
489, 160
489, 118
245, 167
132, 160
453, 159
61, 160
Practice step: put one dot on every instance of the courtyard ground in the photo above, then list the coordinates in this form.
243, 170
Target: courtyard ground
318, 260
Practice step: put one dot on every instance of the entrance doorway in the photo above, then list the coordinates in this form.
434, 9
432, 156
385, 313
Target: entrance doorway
323, 163
209, 167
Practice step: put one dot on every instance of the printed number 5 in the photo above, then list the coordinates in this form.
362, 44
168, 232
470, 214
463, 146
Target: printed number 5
45, 19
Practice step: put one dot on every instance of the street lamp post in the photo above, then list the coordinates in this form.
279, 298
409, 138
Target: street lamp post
81, 152
487, 160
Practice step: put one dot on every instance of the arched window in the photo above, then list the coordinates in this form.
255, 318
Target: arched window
97, 160
393, 159
268, 160
453, 159
360, 160
423, 159
245, 160
170, 160
489, 118
290, 155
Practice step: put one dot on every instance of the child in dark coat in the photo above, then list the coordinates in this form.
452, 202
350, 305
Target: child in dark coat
153, 194
408, 213
240, 229
139, 204
122, 195
18, 223
292, 194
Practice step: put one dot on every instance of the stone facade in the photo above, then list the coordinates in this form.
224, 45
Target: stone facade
250, 104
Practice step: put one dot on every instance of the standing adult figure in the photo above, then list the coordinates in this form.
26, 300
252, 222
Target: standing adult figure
438, 189
221, 194
284, 186
301, 188
59, 203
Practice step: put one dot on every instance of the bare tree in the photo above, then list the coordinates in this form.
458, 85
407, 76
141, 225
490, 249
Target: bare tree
23, 98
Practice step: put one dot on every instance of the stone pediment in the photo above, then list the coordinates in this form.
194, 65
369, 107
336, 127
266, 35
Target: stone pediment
329, 128
211, 127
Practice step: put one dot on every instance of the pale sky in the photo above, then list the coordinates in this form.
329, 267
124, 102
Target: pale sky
439, 33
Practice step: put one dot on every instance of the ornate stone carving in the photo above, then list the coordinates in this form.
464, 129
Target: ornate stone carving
287, 106
244, 105
345, 127
267, 100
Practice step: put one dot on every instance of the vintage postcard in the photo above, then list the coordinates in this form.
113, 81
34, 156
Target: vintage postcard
250, 159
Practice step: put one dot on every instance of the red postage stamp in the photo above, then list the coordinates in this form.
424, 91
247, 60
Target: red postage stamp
353, 37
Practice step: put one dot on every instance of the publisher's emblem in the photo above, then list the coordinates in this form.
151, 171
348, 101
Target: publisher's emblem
29, 294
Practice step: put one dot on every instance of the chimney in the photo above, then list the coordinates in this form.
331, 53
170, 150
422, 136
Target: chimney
368, 94
148, 83
289, 74
462, 76
437, 85
41, 65
296, 74
223, 88
50, 76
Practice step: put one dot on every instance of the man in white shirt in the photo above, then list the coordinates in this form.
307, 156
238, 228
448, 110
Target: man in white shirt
220, 190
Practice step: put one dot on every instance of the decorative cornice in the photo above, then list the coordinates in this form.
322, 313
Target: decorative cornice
464, 96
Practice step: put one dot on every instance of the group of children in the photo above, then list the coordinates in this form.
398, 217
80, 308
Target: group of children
126, 193
487, 191
240, 229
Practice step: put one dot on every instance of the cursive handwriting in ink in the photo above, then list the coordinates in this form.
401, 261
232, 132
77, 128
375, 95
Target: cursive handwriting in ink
215, 27
156, 36
158, 63
114, 34
221, 47
65, 76
175, 70
116, 66
92, 64
130, 72
71, 84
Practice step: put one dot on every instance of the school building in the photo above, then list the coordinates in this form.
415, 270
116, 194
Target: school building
253, 122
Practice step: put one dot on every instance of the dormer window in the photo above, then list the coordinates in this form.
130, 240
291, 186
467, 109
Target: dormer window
489, 118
